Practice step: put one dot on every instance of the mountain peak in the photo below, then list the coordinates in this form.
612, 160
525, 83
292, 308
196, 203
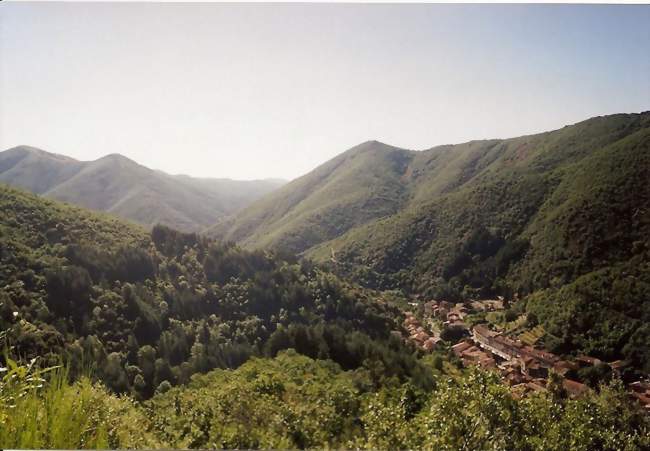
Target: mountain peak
116, 157
24, 150
371, 146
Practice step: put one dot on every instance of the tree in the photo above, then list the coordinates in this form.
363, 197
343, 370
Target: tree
114, 374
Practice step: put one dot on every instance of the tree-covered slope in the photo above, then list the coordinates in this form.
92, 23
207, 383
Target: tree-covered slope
526, 200
508, 217
122, 187
565, 212
371, 198
150, 309
358, 186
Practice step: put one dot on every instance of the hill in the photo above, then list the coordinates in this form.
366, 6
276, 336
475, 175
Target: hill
561, 210
120, 186
147, 307
354, 188
373, 183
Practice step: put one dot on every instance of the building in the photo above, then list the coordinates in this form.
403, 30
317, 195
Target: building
509, 349
431, 343
458, 348
503, 347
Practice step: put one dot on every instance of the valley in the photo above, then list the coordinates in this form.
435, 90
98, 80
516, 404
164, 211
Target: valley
387, 299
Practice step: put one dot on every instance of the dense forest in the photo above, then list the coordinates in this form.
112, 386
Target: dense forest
149, 310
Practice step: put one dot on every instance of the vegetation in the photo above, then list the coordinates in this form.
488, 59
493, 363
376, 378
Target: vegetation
115, 336
148, 311
358, 186
122, 187
547, 214
292, 401
296, 402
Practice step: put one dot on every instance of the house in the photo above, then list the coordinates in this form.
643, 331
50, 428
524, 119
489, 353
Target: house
502, 346
431, 343
640, 391
536, 385
430, 308
411, 320
487, 305
617, 366
458, 348
513, 377
533, 368
476, 356
546, 358
452, 317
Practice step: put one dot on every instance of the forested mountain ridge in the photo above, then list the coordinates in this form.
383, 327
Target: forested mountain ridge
563, 214
145, 308
358, 186
295, 356
515, 191
120, 186
375, 182
568, 223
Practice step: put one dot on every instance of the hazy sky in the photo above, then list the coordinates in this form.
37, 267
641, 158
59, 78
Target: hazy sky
263, 90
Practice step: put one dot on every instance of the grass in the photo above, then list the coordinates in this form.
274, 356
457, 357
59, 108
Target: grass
58, 414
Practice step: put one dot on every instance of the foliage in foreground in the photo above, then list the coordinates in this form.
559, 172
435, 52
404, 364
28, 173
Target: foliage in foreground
293, 401
55, 413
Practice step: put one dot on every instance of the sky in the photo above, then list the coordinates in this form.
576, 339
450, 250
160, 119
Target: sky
250, 91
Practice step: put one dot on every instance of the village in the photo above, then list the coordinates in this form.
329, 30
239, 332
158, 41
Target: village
521, 364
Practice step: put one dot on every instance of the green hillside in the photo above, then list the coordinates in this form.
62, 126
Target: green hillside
507, 217
526, 190
295, 402
354, 188
376, 194
122, 187
146, 308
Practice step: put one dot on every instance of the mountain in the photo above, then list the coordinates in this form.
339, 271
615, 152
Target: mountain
577, 196
294, 356
560, 219
358, 186
392, 208
120, 186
